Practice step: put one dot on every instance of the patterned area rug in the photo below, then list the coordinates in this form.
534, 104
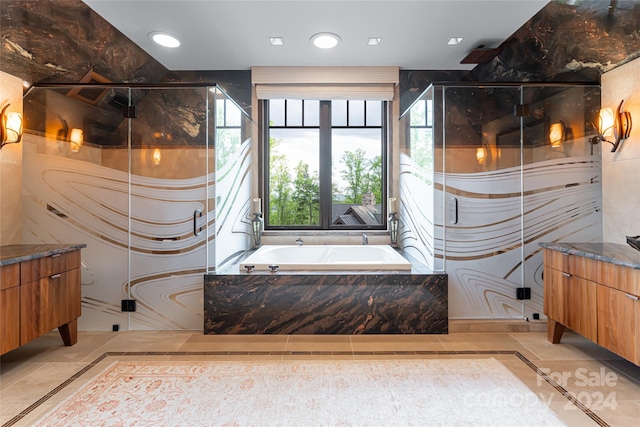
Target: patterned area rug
452, 392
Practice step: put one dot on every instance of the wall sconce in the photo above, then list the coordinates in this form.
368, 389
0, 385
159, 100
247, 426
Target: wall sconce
393, 220
557, 134
617, 125
11, 127
257, 222
76, 139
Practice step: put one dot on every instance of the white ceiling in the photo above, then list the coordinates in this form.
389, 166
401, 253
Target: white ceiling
234, 34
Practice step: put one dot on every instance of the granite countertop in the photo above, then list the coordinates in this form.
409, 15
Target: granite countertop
614, 253
12, 254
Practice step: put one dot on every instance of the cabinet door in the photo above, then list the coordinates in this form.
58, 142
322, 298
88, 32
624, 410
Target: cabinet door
49, 303
66, 297
571, 301
618, 323
583, 309
36, 309
9, 319
555, 296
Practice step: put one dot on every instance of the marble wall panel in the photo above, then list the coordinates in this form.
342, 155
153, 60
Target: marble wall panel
349, 303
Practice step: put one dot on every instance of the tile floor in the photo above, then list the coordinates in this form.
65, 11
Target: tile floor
600, 382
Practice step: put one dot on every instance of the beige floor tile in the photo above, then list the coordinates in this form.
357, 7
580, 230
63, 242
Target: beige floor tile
319, 343
8, 412
317, 357
38, 383
201, 342
15, 371
571, 347
396, 342
571, 415
136, 341
397, 357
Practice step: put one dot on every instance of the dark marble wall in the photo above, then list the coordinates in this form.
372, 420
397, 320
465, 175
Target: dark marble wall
561, 43
569, 43
60, 41
325, 304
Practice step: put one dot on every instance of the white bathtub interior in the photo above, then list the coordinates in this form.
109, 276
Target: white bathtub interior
327, 257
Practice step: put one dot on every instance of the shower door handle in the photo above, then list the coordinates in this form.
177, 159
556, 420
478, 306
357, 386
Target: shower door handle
454, 211
196, 214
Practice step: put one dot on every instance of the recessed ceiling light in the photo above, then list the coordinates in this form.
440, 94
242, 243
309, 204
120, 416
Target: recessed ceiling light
325, 40
277, 41
164, 39
454, 41
374, 41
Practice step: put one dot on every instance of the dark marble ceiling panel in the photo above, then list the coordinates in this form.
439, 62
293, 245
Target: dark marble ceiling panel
61, 40
570, 41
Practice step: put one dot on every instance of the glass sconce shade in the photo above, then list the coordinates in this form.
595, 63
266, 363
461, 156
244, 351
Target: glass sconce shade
605, 122
556, 134
617, 125
76, 139
156, 157
11, 127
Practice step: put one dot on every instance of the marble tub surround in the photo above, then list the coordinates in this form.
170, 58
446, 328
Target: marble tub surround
614, 253
334, 303
12, 254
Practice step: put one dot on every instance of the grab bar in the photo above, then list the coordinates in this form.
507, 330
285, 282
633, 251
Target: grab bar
454, 211
196, 214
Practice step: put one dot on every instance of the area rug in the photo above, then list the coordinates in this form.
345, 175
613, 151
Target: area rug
452, 392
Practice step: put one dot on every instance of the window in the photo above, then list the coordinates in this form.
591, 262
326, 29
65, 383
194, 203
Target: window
325, 164
421, 137
228, 130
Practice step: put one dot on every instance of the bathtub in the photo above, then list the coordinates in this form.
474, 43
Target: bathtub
327, 257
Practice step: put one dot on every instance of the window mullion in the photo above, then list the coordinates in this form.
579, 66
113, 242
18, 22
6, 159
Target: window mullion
325, 164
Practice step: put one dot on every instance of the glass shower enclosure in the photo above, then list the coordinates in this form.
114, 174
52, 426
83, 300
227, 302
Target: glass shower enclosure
149, 177
487, 172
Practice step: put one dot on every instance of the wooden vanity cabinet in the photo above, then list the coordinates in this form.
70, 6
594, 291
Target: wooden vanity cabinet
596, 299
41, 294
9, 307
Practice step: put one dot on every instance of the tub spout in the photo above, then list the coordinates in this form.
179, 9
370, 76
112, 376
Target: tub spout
365, 239
299, 241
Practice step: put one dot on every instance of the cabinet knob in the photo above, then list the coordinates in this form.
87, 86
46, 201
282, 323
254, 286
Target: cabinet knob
55, 255
566, 274
633, 297
55, 276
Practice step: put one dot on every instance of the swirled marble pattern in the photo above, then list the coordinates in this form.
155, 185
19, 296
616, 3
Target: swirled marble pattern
340, 303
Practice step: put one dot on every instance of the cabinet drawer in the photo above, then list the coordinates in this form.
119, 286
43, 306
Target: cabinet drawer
573, 264
47, 266
9, 276
619, 277
48, 303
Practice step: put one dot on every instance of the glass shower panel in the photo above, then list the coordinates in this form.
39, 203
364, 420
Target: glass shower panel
168, 246
417, 186
561, 175
482, 200
75, 188
230, 182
